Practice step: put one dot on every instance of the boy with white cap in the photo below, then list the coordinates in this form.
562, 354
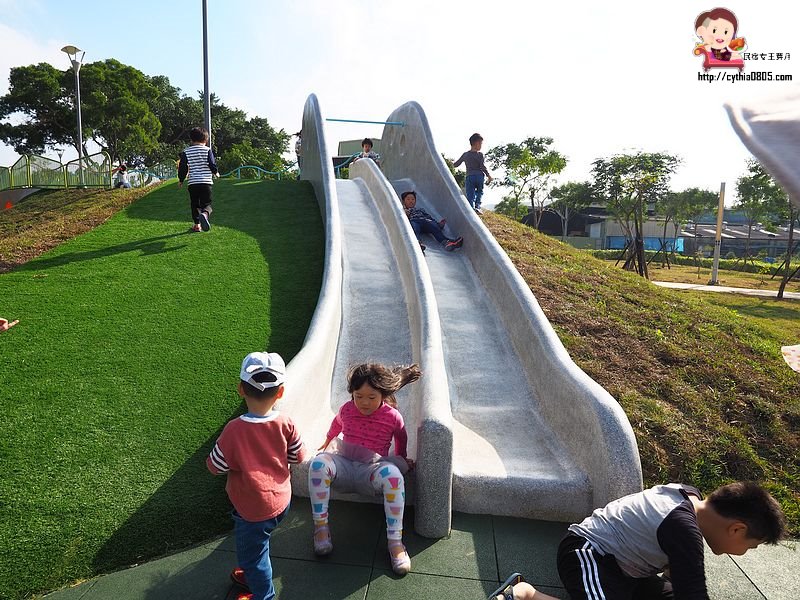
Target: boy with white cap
255, 450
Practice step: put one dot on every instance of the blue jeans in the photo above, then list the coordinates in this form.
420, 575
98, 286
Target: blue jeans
474, 188
252, 551
422, 227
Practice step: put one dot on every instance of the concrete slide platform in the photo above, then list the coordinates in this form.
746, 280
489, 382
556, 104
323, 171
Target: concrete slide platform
502, 422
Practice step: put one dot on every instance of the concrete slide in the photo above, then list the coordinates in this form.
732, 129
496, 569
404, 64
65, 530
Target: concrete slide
502, 422
376, 304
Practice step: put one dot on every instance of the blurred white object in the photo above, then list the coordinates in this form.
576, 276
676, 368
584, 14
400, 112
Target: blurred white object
770, 129
791, 354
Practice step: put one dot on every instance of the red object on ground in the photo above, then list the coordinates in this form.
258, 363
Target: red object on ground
8, 205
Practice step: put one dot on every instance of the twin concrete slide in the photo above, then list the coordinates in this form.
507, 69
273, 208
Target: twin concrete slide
502, 422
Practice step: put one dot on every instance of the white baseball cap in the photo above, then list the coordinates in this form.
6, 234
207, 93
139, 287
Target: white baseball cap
263, 362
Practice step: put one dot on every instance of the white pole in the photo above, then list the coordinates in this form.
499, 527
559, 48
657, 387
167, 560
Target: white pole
718, 239
77, 66
206, 92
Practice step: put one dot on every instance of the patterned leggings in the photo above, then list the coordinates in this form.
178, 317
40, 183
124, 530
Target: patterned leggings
383, 477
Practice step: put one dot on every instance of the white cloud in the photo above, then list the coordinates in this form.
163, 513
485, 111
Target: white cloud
18, 49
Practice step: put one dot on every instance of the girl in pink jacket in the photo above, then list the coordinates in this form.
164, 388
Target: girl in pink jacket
360, 462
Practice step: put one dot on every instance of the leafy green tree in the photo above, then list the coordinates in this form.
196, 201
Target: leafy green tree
509, 206
245, 153
629, 183
134, 117
569, 199
687, 205
178, 114
41, 97
116, 105
759, 197
529, 167
459, 176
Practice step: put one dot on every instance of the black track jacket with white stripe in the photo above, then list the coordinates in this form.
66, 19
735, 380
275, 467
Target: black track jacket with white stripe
650, 530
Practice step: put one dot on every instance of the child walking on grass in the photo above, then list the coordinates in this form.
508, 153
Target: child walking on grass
255, 451
649, 545
361, 462
198, 162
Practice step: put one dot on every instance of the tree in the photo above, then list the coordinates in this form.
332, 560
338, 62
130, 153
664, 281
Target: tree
42, 97
759, 196
509, 206
459, 176
178, 114
629, 183
529, 167
687, 205
568, 199
116, 105
245, 154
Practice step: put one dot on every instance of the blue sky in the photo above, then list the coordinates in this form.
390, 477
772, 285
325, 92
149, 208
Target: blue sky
599, 78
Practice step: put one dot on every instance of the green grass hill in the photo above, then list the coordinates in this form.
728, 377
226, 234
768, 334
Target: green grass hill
124, 367
700, 376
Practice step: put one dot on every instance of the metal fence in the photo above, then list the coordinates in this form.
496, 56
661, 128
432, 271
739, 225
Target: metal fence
42, 172
45, 172
95, 168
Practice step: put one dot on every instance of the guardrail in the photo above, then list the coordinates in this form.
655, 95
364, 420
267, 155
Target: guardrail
95, 170
259, 171
32, 170
337, 169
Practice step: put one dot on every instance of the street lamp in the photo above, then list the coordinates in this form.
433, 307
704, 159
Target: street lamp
72, 53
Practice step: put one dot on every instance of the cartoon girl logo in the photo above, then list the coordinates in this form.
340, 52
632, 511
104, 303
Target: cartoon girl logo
720, 46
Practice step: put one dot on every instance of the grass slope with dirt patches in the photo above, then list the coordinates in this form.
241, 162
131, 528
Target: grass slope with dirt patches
705, 386
50, 217
123, 370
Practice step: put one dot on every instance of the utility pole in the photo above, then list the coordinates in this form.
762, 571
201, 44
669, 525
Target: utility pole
718, 239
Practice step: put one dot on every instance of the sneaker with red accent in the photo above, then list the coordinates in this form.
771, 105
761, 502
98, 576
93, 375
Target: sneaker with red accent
451, 245
237, 577
195, 227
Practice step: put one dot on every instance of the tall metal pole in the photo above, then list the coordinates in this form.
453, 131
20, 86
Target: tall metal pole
77, 68
206, 93
718, 239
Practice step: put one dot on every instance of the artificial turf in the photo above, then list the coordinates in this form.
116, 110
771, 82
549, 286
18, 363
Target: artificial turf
123, 370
